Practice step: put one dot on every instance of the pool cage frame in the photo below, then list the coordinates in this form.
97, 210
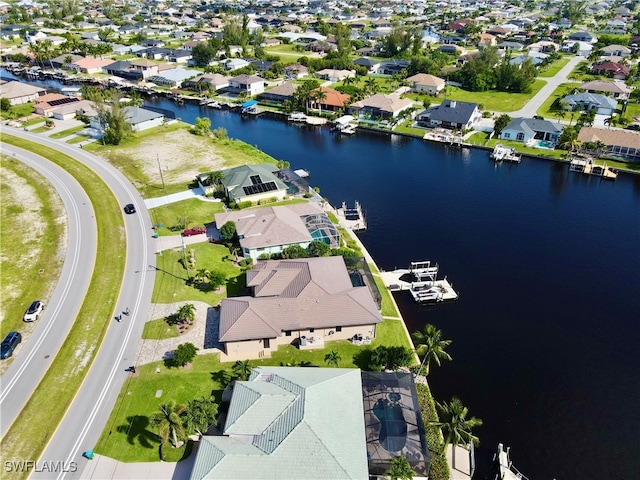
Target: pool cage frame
360, 266
320, 222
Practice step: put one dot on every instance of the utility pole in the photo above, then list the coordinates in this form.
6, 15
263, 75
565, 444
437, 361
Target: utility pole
160, 168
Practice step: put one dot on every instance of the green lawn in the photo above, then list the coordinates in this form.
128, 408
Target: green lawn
171, 278
494, 100
522, 148
287, 52
550, 105
68, 132
478, 138
199, 212
159, 329
18, 111
40, 416
407, 129
128, 437
553, 69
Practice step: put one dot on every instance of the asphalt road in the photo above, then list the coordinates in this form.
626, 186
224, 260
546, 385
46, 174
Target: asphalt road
83, 423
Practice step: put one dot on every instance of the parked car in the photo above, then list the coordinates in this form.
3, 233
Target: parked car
194, 231
9, 344
129, 208
34, 311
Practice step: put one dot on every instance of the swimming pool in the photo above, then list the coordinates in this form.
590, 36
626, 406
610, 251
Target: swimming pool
542, 144
393, 431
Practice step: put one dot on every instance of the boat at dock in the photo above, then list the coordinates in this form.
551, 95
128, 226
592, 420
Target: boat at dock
297, 117
588, 166
421, 280
352, 218
344, 125
505, 154
503, 468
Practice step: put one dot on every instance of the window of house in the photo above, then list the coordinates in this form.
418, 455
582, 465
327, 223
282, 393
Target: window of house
267, 343
520, 136
506, 135
338, 329
287, 333
311, 330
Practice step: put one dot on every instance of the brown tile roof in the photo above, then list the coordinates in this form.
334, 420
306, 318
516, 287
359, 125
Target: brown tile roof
334, 97
304, 293
426, 79
610, 137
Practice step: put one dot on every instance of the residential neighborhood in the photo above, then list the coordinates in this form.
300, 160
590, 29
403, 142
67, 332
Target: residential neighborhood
273, 346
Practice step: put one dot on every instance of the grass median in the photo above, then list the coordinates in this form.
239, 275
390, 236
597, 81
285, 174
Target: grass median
40, 416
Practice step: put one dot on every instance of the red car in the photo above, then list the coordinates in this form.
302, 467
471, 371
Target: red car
194, 231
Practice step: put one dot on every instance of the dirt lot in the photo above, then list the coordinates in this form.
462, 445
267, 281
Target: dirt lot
181, 154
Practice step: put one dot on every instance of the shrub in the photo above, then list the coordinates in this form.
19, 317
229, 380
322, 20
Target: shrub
170, 454
184, 353
243, 205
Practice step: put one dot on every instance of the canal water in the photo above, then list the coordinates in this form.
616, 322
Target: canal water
547, 263
546, 331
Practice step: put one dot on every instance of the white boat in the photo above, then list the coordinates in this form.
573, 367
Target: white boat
297, 117
508, 154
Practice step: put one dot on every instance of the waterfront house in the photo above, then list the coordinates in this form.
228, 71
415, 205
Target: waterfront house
614, 89
269, 230
252, 183
622, 144
304, 302
425, 83
290, 423
123, 69
146, 67
529, 130
19, 93
91, 65
250, 84
280, 93
173, 77
207, 81
333, 100
380, 106
602, 104
450, 114
142, 119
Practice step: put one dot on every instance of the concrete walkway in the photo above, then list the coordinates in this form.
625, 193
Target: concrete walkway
107, 468
176, 197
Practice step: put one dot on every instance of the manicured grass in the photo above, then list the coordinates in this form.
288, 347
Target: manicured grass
128, 436
30, 269
550, 106
553, 69
388, 308
40, 130
68, 132
18, 111
494, 100
199, 212
40, 416
633, 111
522, 148
287, 52
478, 138
632, 166
407, 129
159, 329
77, 139
171, 277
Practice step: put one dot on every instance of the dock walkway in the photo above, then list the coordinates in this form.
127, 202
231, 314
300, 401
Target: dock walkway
421, 281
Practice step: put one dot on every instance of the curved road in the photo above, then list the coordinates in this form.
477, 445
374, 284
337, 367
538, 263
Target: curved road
81, 427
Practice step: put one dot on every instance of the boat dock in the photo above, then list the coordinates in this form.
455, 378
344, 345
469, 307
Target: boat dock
352, 218
504, 154
504, 469
420, 279
589, 167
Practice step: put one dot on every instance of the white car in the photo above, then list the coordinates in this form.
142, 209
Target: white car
34, 311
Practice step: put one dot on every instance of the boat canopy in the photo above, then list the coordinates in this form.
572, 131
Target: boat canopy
250, 103
344, 120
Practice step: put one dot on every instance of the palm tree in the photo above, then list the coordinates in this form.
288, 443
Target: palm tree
573, 145
318, 97
431, 346
186, 313
370, 85
332, 358
215, 179
456, 427
242, 369
599, 147
400, 469
349, 81
168, 422
202, 275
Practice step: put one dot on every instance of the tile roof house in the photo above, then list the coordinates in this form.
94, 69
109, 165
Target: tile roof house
611, 69
527, 130
602, 104
333, 100
71, 110
614, 89
450, 114
305, 302
279, 93
46, 104
620, 143
91, 65
142, 119
290, 423
333, 75
615, 51
269, 230
380, 105
425, 83
370, 64
19, 93
207, 81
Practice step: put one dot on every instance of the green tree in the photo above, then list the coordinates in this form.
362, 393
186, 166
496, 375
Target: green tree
186, 313
400, 469
294, 251
317, 248
332, 358
501, 122
318, 97
203, 53
168, 422
456, 427
113, 122
242, 369
217, 278
5, 104
228, 231
430, 346
200, 414
202, 126
390, 358
184, 353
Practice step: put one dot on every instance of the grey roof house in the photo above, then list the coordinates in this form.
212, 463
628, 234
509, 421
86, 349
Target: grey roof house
531, 130
303, 302
252, 183
602, 104
380, 105
450, 114
290, 423
268, 230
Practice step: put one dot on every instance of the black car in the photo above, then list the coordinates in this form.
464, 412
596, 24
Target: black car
9, 344
129, 208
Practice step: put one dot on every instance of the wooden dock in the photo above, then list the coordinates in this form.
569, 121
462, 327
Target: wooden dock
421, 281
589, 167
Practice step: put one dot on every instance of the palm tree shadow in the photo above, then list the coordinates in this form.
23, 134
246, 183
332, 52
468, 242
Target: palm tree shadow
137, 430
362, 359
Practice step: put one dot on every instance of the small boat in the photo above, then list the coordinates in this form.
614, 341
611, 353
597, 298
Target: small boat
508, 154
297, 117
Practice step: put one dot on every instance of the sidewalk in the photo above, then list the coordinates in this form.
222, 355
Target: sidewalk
107, 468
